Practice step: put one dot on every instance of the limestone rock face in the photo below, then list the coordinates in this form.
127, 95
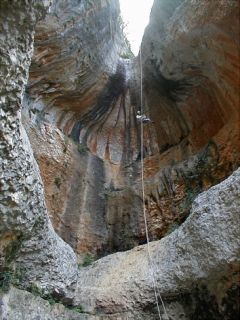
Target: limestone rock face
80, 86
77, 47
75, 188
77, 86
26, 234
70, 169
190, 56
196, 255
190, 65
195, 268
19, 304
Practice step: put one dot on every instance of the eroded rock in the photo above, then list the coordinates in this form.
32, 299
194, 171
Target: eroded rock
199, 253
80, 115
26, 234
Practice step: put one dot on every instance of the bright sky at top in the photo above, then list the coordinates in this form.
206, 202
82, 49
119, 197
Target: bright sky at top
135, 14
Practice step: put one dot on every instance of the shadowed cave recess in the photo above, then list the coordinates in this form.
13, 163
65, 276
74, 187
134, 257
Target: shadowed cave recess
72, 224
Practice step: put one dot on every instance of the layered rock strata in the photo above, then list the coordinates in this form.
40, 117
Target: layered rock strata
190, 91
79, 112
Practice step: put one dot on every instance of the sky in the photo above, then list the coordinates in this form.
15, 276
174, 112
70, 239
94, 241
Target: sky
135, 13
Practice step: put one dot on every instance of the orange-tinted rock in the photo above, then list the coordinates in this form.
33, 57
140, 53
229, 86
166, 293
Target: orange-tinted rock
190, 61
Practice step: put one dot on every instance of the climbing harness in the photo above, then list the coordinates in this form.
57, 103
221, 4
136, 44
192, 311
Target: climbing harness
141, 117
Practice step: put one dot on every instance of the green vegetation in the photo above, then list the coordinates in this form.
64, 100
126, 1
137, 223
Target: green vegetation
128, 54
82, 148
78, 309
66, 142
12, 249
51, 300
16, 278
88, 260
35, 290
5, 281
172, 227
39, 292
9, 277
112, 192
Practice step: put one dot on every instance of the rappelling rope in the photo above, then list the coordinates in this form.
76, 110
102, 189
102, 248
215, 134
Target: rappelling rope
156, 289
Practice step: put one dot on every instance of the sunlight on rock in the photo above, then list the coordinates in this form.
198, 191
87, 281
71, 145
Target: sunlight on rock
135, 14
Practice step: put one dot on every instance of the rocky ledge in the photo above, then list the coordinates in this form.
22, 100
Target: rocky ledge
195, 269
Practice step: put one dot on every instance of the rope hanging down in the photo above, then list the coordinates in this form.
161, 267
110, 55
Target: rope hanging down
156, 289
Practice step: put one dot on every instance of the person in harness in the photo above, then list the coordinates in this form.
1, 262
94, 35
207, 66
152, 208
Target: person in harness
143, 118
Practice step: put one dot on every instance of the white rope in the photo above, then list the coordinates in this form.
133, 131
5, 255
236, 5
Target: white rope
156, 289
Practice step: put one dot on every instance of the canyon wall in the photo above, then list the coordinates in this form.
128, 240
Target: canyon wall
70, 183
196, 271
82, 99
27, 238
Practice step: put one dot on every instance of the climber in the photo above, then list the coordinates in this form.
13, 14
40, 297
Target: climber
143, 118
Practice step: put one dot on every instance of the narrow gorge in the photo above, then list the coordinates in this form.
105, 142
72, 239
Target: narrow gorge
73, 241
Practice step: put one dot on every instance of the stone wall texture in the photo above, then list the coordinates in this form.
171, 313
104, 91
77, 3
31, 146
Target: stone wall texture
70, 169
27, 238
81, 123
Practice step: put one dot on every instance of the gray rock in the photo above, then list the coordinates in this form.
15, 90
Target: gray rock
19, 304
120, 286
25, 230
200, 252
199, 261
